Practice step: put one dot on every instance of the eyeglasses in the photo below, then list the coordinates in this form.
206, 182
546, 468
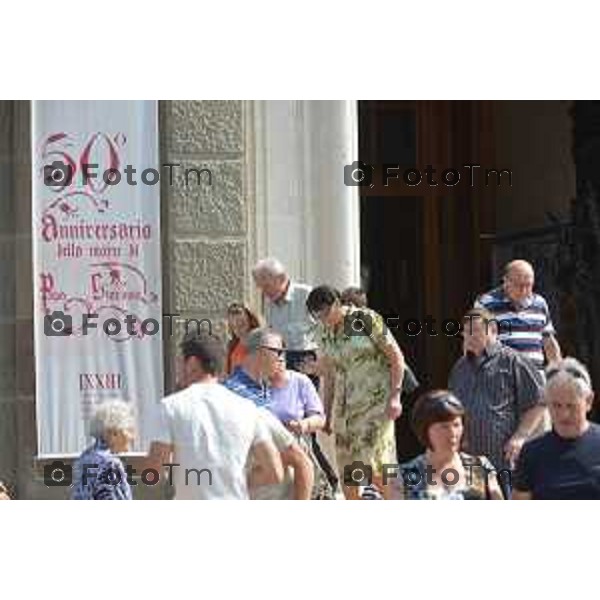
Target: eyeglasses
278, 351
576, 373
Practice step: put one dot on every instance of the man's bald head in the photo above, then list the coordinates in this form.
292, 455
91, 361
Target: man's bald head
518, 267
519, 278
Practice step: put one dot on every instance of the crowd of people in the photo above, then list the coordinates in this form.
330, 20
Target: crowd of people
512, 423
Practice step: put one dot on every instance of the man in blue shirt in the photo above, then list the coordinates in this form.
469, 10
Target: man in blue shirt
524, 322
250, 380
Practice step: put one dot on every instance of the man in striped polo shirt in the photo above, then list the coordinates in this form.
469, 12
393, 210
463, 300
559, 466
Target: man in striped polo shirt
524, 322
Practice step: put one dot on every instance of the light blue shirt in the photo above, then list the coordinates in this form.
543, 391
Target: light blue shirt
291, 319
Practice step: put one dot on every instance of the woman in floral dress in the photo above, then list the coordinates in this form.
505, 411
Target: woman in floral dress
363, 368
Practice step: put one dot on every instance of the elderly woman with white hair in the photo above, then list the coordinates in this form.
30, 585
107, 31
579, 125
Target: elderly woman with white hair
4, 492
99, 474
563, 464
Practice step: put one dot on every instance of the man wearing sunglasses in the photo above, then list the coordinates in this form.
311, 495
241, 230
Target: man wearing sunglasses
285, 311
265, 357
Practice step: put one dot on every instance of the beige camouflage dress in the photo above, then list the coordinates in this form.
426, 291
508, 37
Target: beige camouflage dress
362, 386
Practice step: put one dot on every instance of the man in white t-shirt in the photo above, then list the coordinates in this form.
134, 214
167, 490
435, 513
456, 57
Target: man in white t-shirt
208, 444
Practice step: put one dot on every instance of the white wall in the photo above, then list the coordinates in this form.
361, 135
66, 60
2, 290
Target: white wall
305, 215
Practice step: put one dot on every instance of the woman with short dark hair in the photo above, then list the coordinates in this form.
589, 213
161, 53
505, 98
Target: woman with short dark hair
443, 472
354, 296
363, 369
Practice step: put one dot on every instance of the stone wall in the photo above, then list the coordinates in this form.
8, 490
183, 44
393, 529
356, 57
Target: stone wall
8, 418
206, 228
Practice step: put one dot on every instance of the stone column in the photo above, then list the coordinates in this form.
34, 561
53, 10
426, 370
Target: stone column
306, 216
335, 210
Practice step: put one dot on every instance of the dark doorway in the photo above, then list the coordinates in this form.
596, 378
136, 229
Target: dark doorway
425, 249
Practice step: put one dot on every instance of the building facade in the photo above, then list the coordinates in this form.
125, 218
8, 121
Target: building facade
276, 190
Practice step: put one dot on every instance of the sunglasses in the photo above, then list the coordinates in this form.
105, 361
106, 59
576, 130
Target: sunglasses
278, 351
570, 370
448, 400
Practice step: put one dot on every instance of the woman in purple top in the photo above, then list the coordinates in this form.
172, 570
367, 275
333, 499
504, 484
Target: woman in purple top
296, 403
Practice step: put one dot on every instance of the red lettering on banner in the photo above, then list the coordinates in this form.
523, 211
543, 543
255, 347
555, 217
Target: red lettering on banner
99, 381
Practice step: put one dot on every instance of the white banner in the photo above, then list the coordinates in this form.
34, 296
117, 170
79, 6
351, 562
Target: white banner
96, 264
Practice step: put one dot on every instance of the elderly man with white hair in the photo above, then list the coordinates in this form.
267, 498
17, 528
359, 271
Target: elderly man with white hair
563, 464
285, 310
99, 473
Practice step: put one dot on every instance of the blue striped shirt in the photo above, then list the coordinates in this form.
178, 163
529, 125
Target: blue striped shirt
522, 328
99, 475
243, 385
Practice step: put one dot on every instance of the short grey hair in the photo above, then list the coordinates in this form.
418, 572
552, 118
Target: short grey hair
568, 371
257, 337
4, 489
114, 414
269, 266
